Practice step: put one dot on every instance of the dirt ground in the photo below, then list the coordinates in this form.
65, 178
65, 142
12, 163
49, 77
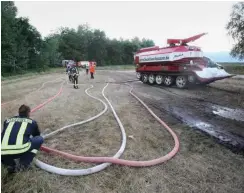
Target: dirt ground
201, 165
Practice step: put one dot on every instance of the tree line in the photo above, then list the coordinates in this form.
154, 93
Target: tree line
235, 28
24, 49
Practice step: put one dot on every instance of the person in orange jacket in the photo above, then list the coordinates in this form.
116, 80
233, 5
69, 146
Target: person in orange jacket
92, 70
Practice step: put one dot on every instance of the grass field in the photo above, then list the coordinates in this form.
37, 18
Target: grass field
234, 68
33, 74
201, 166
117, 67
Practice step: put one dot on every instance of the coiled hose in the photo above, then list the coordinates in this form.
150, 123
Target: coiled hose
75, 172
81, 172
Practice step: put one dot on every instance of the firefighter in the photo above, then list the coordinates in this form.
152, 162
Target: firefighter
67, 69
16, 142
92, 70
69, 73
87, 68
74, 73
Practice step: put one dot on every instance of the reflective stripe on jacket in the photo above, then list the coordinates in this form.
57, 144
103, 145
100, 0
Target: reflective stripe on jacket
16, 133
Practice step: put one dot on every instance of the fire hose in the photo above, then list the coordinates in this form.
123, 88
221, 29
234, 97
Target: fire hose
106, 160
81, 172
98, 167
122, 161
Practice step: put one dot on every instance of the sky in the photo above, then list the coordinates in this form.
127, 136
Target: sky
153, 20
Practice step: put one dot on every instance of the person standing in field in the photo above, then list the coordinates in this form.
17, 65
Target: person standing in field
87, 68
74, 73
92, 70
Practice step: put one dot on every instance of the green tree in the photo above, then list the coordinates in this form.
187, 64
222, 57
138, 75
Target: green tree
114, 52
235, 28
147, 43
28, 43
24, 49
85, 39
97, 47
21, 42
8, 35
50, 53
69, 44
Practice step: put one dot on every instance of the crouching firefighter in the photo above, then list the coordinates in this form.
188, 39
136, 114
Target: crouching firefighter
17, 143
74, 73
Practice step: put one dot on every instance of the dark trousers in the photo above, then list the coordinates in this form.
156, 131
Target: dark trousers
92, 77
70, 78
75, 80
87, 70
26, 158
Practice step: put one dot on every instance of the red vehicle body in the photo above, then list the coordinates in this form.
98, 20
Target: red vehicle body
177, 64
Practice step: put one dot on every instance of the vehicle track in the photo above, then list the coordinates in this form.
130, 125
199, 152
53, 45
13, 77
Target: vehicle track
203, 109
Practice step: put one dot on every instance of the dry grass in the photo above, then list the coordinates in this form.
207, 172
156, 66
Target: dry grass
230, 84
117, 67
30, 75
200, 166
234, 68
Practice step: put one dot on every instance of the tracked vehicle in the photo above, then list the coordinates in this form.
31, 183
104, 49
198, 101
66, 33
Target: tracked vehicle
177, 64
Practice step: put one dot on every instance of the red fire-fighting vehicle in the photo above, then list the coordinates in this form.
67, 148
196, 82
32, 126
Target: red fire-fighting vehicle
178, 64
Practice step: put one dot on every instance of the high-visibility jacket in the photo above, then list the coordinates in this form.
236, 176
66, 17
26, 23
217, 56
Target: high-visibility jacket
16, 134
92, 68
